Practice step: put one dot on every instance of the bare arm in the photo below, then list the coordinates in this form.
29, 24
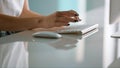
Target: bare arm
27, 12
10, 23
29, 20
57, 19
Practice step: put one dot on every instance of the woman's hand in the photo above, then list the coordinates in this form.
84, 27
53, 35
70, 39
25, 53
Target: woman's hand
59, 18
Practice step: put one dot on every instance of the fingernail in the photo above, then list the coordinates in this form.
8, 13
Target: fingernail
68, 24
76, 14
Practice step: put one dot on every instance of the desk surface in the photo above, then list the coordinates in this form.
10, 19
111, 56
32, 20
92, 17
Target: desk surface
72, 51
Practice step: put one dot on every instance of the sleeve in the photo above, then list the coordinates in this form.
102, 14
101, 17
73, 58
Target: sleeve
11, 7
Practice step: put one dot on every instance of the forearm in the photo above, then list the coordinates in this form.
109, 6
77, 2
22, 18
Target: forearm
29, 13
10, 23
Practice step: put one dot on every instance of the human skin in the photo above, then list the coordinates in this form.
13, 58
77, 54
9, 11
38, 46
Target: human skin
31, 20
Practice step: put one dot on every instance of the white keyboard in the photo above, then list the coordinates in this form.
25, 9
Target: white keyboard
80, 29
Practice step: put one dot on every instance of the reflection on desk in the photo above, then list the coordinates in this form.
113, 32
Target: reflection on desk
71, 51
14, 55
68, 42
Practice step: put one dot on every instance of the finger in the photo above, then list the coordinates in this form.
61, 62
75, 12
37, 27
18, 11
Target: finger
77, 18
59, 24
46, 29
39, 29
67, 13
73, 14
56, 28
65, 19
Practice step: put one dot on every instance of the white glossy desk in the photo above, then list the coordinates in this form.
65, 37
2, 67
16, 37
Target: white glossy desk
71, 51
